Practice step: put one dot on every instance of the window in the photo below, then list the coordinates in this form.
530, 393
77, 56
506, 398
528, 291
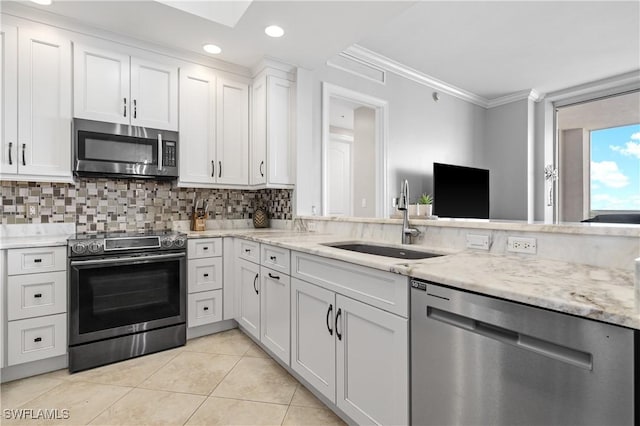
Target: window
615, 169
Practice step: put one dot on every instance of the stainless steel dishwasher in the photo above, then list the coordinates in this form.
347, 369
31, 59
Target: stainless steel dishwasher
478, 360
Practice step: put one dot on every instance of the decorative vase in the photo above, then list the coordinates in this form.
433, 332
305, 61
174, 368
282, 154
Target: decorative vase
260, 218
427, 210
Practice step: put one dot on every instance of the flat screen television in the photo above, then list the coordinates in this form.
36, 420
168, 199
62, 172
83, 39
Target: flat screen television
460, 191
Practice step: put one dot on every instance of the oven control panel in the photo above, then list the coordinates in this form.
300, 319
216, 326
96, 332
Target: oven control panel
102, 244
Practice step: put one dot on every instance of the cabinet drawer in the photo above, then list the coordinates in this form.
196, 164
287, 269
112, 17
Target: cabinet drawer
36, 338
249, 250
384, 290
204, 308
33, 260
35, 295
205, 274
204, 247
275, 258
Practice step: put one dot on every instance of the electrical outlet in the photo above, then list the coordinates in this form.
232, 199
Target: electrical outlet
364, 202
480, 242
311, 227
521, 245
32, 210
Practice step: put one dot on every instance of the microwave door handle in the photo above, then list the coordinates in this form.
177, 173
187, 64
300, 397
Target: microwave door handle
159, 151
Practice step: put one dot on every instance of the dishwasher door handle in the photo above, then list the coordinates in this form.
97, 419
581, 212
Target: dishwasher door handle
511, 337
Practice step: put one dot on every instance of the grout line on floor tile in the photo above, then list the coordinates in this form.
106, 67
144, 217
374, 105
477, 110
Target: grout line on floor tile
247, 400
225, 376
285, 415
111, 405
196, 410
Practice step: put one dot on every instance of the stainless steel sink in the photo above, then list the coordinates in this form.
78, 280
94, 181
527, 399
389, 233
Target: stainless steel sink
388, 251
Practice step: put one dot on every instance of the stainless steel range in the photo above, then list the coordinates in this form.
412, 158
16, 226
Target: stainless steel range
126, 296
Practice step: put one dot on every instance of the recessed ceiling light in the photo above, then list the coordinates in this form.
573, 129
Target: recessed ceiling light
274, 31
42, 2
212, 48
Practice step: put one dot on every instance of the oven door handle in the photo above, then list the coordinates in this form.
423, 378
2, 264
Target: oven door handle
126, 259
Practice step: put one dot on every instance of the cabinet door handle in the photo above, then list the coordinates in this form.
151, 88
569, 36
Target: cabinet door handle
219, 168
247, 250
10, 149
329, 322
261, 165
135, 108
37, 295
125, 107
272, 258
205, 275
37, 339
205, 248
275, 277
255, 281
336, 325
37, 260
206, 308
24, 159
213, 169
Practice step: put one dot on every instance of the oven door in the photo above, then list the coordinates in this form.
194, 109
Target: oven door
117, 296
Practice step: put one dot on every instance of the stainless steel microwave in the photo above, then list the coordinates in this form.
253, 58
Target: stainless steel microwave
120, 150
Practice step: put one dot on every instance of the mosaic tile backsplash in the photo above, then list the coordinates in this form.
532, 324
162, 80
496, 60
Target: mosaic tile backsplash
98, 205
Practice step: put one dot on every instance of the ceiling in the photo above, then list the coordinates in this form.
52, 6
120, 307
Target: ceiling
489, 48
314, 30
495, 48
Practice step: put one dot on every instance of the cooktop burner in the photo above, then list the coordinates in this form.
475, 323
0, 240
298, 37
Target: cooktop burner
118, 242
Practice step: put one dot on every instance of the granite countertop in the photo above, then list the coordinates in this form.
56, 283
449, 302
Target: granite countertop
603, 294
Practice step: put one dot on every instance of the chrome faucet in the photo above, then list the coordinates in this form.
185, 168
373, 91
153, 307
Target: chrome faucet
403, 204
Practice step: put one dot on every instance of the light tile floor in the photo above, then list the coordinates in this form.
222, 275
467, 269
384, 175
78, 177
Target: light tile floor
222, 379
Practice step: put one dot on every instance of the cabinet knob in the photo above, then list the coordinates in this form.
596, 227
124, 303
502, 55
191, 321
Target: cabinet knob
37, 295
37, 339
37, 260
273, 258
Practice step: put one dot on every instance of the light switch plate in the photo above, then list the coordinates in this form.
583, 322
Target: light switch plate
480, 242
32, 210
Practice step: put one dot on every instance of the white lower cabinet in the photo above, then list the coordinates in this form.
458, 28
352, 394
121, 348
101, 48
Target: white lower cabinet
313, 344
274, 312
36, 338
372, 363
354, 354
204, 281
248, 285
204, 307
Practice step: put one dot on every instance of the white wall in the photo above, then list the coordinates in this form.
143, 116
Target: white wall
506, 157
421, 131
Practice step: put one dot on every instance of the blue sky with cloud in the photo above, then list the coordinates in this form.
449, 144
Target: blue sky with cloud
615, 168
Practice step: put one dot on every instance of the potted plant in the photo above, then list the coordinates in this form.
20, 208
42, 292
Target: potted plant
427, 201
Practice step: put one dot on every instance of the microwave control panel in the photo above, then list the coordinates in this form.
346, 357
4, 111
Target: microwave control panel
169, 154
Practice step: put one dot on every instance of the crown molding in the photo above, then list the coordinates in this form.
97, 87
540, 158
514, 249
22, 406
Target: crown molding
531, 95
388, 64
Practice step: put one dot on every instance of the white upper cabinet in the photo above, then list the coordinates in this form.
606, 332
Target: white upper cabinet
272, 139
232, 147
101, 85
44, 103
154, 95
115, 87
197, 125
9, 94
